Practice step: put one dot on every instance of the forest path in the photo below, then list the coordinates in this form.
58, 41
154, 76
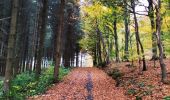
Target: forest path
84, 84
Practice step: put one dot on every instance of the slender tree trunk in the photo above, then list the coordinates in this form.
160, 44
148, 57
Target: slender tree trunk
127, 31
138, 41
159, 41
116, 41
18, 44
59, 41
11, 48
108, 49
77, 58
99, 50
41, 32
95, 55
104, 45
152, 19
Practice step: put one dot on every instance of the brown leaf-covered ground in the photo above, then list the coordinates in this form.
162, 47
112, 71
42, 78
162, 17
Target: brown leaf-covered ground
84, 84
146, 85
94, 84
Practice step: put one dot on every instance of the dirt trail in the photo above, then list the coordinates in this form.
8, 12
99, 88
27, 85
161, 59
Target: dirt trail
84, 84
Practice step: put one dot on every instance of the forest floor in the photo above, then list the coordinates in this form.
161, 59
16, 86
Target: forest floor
95, 84
84, 84
144, 86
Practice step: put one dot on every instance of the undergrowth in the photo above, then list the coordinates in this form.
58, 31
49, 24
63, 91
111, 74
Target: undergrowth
26, 84
166, 98
1, 84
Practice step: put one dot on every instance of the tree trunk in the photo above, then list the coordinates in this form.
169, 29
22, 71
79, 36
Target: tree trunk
19, 37
116, 41
59, 41
152, 19
95, 55
103, 43
159, 41
41, 32
77, 58
11, 48
99, 49
127, 31
138, 41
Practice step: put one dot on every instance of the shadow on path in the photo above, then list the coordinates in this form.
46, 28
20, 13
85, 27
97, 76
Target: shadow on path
84, 84
89, 87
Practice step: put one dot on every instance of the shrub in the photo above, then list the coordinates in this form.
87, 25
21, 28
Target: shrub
63, 72
131, 91
45, 80
166, 98
26, 84
1, 85
23, 85
115, 73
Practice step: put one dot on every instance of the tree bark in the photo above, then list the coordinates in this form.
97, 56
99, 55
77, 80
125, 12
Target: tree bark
59, 41
41, 32
103, 43
127, 31
138, 41
152, 19
159, 41
11, 48
116, 41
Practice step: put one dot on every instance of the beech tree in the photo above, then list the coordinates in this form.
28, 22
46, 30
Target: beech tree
159, 41
152, 20
127, 30
138, 41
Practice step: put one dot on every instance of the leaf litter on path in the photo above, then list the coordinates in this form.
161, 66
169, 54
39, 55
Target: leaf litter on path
74, 87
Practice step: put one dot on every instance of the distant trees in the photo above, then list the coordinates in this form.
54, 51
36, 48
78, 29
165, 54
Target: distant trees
5, 17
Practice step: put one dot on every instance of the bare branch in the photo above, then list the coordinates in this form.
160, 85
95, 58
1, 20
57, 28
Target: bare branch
4, 18
4, 31
138, 13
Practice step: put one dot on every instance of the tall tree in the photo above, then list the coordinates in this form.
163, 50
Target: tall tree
152, 20
41, 33
59, 40
138, 41
116, 40
11, 46
127, 30
159, 41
